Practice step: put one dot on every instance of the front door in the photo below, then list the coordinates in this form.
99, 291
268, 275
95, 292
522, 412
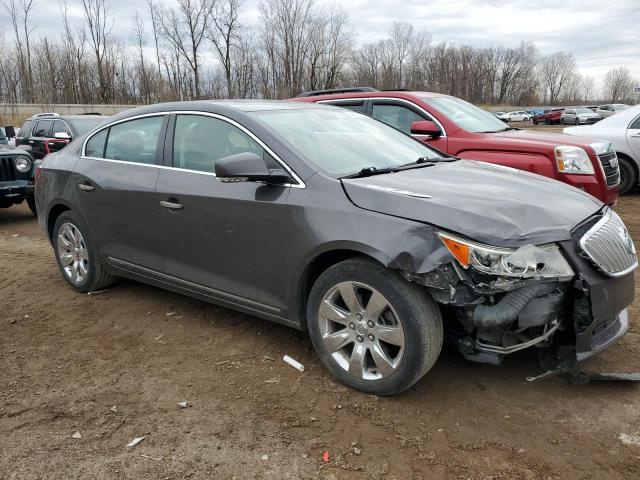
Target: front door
633, 136
115, 185
227, 239
401, 116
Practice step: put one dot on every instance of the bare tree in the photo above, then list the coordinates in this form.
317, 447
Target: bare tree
557, 70
184, 27
96, 16
224, 36
19, 12
617, 84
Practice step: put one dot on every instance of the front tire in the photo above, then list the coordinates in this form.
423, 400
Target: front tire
77, 255
372, 329
628, 178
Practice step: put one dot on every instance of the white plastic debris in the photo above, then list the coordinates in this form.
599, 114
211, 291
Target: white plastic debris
170, 314
273, 380
633, 439
77, 436
113, 409
135, 441
294, 363
96, 292
264, 457
183, 404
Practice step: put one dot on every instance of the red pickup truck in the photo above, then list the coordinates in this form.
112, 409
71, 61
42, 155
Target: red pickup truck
550, 117
461, 129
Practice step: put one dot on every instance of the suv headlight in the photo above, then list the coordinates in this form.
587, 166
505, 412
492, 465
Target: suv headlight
573, 160
23, 164
529, 261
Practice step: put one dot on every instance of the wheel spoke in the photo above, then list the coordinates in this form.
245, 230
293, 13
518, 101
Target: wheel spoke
338, 340
82, 253
390, 334
82, 267
74, 270
66, 259
63, 242
333, 312
356, 362
377, 304
383, 362
348, 293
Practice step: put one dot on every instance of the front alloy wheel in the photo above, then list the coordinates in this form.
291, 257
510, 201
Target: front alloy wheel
366, 341
372, 329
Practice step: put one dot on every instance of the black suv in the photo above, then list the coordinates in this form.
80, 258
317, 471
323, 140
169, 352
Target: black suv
49, 132
16, 176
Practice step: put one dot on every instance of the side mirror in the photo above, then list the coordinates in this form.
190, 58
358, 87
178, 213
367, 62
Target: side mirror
248, 167
10, 131
425, 127
62, 135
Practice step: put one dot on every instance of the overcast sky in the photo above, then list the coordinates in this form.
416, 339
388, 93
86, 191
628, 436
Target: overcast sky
601, 35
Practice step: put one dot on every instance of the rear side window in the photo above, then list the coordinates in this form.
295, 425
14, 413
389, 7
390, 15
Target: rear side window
25, 131
60, 127
635, 125
135, 140
396, 116
43, 128
201, 140
355, 106
95, 145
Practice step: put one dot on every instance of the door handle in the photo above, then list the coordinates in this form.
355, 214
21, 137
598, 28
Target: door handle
86, 187
635, 135
171, 205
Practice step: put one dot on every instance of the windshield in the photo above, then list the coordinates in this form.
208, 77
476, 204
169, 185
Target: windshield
83, 125
583, 110
3, 137
466, 116
618, 106
340, 142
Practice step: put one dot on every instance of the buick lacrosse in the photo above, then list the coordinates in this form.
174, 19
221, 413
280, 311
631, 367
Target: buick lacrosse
332, 222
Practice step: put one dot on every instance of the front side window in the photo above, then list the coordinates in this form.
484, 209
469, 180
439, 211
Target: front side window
199, 141
43, 128
341, 142
396, 116
635, 125
353, 105
60, 127
135, 140
466, 116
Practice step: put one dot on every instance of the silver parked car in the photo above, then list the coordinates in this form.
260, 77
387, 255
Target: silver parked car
579, 116
623, 131
607, 110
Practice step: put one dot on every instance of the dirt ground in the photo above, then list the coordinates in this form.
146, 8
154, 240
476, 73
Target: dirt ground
113, 366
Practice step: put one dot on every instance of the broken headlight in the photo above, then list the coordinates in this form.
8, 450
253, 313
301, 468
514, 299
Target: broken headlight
529, 261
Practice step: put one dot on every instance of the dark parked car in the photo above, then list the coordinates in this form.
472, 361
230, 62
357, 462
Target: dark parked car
50, 132
330, 221
16, 176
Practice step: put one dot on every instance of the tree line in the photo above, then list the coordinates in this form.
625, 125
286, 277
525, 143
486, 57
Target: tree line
203, 49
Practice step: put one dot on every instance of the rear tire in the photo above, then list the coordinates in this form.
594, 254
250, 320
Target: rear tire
547, 121
77, 255
577, 121
628, 176
382, 348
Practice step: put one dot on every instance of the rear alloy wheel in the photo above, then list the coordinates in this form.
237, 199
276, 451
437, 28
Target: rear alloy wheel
628, 177
577, 121
76, 255
373, 330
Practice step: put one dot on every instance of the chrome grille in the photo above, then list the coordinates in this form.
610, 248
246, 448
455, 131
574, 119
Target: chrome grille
609, 246
609, 163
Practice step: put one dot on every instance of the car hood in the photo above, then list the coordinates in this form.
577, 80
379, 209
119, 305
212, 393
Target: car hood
527, 139
489, 203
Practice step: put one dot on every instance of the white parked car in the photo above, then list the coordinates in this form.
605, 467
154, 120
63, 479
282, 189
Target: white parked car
607, 110
519, 116
623, 131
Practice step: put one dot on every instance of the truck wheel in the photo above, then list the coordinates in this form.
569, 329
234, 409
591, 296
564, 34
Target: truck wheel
547, 121
77, 255
31, 202
535, 122
628, 177
373, 330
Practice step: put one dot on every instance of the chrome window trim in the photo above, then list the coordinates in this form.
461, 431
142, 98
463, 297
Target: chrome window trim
401, 100
299, 183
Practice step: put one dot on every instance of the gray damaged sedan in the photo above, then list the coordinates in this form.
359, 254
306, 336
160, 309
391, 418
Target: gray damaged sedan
331, 222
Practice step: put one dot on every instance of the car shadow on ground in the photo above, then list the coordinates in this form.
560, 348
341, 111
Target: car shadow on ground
16, 214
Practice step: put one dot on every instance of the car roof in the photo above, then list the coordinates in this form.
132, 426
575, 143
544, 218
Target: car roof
66, 117
405, 94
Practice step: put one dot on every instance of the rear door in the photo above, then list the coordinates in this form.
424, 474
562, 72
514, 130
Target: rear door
224, 239
42, 131
115, 182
